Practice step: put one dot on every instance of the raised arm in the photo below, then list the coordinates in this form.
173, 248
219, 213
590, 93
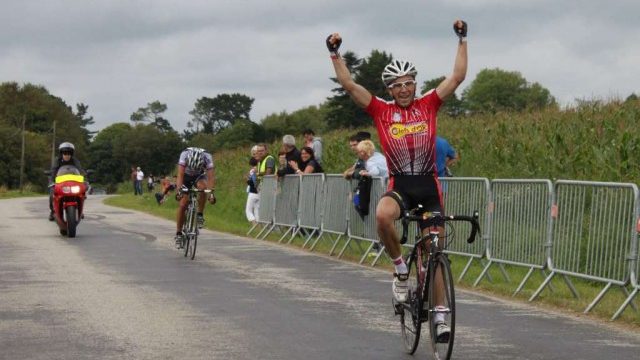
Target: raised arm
360, 95
451, 82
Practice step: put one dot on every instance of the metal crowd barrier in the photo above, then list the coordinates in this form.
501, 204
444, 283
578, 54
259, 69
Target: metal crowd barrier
335, 211
364, 229
578, 229
267, 209
463, 196
520, 225
287, 215
594, 234
311, 204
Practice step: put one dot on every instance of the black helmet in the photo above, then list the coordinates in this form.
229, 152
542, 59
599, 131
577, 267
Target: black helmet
66, 147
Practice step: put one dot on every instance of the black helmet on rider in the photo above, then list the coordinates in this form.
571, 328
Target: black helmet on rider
66, 148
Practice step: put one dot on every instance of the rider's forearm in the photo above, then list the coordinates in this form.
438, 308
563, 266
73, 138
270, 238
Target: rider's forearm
211, 179
460, 65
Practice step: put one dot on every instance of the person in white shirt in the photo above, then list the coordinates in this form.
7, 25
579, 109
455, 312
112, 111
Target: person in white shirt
139, 178
375, 162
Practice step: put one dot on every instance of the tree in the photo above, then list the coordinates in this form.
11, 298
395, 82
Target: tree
452, 105
222, 111
496, 90
152, 113
343, 112
84, 121
311, 117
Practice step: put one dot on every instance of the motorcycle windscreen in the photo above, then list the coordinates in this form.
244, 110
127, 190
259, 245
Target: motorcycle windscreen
68, 173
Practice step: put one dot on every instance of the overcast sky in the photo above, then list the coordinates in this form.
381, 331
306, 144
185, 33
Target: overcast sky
119, 55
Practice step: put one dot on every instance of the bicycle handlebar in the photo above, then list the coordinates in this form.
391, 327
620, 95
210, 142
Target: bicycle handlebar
185, 190
435, 218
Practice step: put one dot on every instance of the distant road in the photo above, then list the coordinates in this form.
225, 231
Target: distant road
120, 291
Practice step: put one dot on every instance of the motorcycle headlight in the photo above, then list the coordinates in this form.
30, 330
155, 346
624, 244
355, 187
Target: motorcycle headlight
75, 189
66, 189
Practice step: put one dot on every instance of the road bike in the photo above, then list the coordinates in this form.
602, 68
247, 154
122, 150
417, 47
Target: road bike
428, 265
190, 227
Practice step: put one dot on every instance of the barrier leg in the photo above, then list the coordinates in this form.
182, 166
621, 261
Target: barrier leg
335, 244
466, 268
570, 286
526, 277
344, 247
285, 234
625, 303
308, 238
597, 299
253, 227
293, 234
268, 231
380, 254
484, 271
542, 286
504, 273
320, 236
626, 293
366, 253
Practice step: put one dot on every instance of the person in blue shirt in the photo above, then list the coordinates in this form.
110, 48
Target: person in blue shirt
445, 157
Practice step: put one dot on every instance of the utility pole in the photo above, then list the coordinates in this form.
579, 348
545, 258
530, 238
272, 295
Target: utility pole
24, 121
53, 144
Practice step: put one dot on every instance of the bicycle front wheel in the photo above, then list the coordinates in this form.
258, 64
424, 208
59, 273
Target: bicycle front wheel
190, 248
442, 308
411, 313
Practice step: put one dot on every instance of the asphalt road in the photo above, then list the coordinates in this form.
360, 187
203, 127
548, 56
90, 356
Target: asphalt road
120, 291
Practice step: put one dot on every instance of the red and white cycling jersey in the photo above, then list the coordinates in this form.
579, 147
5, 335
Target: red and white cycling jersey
407, 135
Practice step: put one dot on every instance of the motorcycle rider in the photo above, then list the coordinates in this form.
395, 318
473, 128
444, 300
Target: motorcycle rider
66, 156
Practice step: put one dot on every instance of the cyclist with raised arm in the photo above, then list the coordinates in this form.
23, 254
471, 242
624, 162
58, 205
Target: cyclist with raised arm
407, 130
195, 167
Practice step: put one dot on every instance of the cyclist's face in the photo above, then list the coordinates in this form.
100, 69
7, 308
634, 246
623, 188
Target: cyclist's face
403, 90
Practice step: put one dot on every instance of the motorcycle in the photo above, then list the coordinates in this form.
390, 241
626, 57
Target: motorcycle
69, 193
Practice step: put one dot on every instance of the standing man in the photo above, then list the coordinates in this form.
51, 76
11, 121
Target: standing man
195, 168
139, 178
407, 131
314, 142
291, 154
354, 140
445, 156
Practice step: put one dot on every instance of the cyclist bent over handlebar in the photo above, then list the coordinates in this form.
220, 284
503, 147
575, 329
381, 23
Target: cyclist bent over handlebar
407, 130
195, 167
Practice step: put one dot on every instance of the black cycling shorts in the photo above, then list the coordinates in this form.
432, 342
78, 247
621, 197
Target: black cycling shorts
191, 181
409, 191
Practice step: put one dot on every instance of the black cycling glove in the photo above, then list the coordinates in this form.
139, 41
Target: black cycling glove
333, 48
460, 30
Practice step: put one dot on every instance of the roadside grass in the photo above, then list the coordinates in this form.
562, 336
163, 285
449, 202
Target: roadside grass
10, 194
557, 296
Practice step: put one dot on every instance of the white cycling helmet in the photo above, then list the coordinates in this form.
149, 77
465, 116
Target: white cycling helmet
66, 147
195, 158
396, 69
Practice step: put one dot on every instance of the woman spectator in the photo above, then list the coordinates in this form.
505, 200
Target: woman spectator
308, 165
253, 199
375, 163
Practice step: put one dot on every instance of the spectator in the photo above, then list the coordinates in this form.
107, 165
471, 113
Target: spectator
167, 186
139, 178
445, 157
150, 182
291, 153
375, 163
133, 176
309, 165
354, 170
266, 162
253, 199
314, 142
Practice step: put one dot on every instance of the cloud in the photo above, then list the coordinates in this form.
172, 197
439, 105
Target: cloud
117, 56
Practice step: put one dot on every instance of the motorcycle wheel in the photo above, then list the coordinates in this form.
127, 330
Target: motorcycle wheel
72, 220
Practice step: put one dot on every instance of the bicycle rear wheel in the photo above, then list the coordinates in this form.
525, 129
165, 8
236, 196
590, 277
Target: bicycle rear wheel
442, 346
411, 313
